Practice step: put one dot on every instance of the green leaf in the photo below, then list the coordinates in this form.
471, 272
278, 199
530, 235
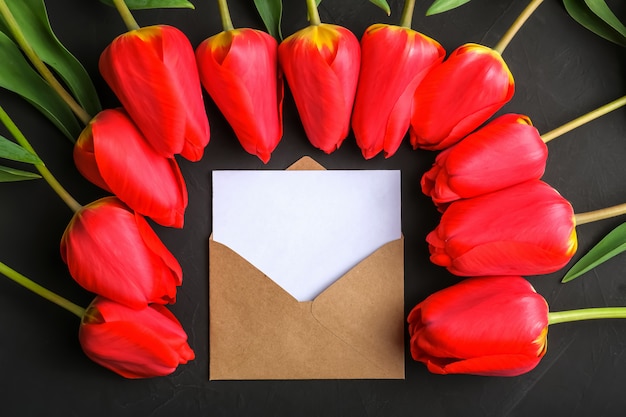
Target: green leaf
592, 14
383, 5
14, 152
9, 174
154, 4
32, 17
18, 76
602, 10
271, 12
440, 6
612, 244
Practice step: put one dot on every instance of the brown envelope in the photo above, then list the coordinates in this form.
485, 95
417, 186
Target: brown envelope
352, 330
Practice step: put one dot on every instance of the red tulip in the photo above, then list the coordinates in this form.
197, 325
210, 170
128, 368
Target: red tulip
140, 343
493, 326
321, 65
239, 70
505, 152
113, 252
113, 154
458, 96
394, 60
526, 229
153, 72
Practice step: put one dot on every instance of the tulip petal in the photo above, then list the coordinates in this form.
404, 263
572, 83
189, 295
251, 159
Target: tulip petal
459, 95
238, 68
134, 343
496, 365
321, 67
146, 181
109, 251
524, 229
153, 73
394, 60
493, 325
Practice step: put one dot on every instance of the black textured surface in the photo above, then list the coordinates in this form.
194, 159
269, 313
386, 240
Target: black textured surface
561, 71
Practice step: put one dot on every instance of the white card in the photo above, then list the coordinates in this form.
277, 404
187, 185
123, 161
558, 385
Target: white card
305, 229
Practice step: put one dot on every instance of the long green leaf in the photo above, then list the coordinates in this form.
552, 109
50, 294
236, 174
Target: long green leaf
32, 18
611, 245
154, 4
440, 6
14, 152
580, 11
19, 77
9, 175
604, 12
271, 12
383, 5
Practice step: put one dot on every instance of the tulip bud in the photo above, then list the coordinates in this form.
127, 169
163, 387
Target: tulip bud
113, 154
140, 343
321, 65
239, 70
526, 229
153, 72
505, 152
394, 60
492, 326
113, 252
458, 96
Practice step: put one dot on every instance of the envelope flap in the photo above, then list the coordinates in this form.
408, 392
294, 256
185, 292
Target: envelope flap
365, 308
306, 163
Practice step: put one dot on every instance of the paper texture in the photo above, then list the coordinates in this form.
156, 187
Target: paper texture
353, 329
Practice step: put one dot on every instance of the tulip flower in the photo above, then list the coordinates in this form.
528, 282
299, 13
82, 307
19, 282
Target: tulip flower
140, 343
494, 326
153, 72
321, 66
505, 152
112, 251
239, 70
525, 229
459, 95
394, 60
113, 154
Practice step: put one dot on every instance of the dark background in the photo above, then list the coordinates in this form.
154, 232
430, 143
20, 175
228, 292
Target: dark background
561, 71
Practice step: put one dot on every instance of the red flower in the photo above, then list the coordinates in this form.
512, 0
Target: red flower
493, 326
239, 70
140, 343
394, 60
526, 229
459, 95
505, 152
153, 72
113, 154
321, 65
113, 252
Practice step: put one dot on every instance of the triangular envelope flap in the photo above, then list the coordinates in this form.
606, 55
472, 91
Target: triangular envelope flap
306, 163
258, 331
365, 308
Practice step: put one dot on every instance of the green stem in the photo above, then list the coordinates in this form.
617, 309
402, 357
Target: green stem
600, 111
126, 15
601, 214
41, 291
314, 16
39, 65
227, 23
515, 27
406, 18
587, 314
43, 170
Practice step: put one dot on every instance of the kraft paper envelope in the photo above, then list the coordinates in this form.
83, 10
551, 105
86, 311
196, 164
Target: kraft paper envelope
353, 330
